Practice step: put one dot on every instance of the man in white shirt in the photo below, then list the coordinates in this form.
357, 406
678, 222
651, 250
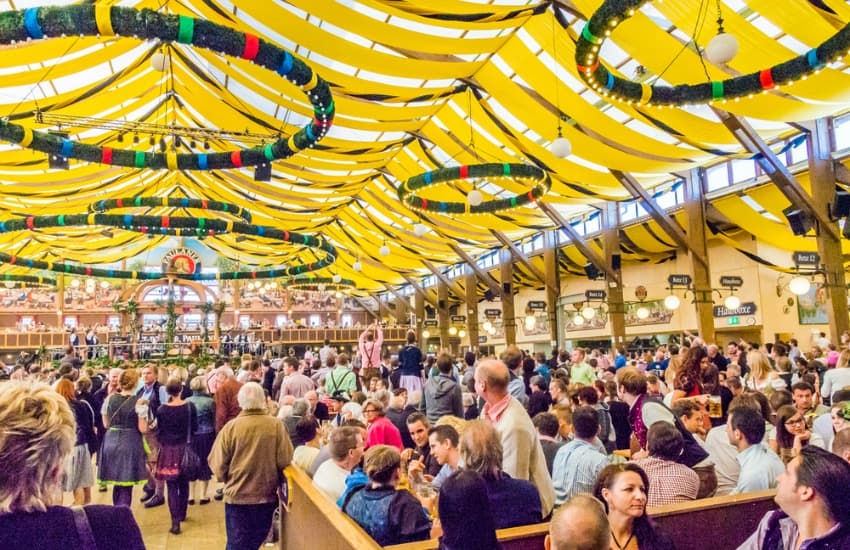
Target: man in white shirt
346, 447
723, 453
326, 352
760, 466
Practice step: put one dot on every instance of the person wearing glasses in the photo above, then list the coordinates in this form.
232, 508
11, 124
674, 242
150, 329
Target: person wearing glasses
792, 434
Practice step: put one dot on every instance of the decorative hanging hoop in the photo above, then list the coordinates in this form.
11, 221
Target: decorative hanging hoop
167, 225
613, 12
158, 202
30, 279
319, 284
88, 19
541, 183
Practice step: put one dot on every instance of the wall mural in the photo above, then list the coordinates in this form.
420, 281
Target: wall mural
811, 306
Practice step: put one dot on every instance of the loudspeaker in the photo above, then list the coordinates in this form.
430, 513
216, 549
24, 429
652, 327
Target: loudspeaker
263, 171
798, 220
591, 271
616, 262
441, 304
506, 289
489, 295
841, 204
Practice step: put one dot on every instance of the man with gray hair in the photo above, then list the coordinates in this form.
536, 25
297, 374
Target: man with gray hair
580, 524
249, 456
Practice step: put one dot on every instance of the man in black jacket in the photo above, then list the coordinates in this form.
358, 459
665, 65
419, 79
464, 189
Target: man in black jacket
154, 490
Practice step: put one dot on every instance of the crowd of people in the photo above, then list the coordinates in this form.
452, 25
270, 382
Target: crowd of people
416, 447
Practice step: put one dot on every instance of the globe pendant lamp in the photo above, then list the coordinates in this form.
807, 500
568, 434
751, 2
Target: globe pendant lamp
384, 250
732, 302
420, 229
160, 62
561, 146
723, 47
337, 278
357, 266
672, 302
475, 198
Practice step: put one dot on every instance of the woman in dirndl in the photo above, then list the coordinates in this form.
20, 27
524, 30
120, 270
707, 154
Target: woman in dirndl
203, 438
78, 473
122, 454
410, 365
174, 425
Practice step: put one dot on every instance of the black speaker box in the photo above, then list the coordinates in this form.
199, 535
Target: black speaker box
616, 262
592, 271
841, 204
798, 220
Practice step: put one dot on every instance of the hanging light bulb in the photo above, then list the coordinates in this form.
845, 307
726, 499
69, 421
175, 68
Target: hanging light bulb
799, 285
384, 250
419, 229
337, 294
588, 312
337, 278
461, 333
530, 321
723, 47
426, 334
642, 312
475, 198
578, 320
561, 146
357, 266
487, 325
160, 62
732, 302
452, 331
672, 302
491, 331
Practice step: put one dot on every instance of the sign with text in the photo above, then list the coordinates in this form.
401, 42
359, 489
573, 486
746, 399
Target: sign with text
806, 258
731, 281
492, 312
537, 305
747, 308
182, 260
430, 323
458, 318
595, 294
679, 279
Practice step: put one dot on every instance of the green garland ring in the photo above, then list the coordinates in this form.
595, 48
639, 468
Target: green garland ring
158, 202
613, 12
88, 19
319, 284
166, 225
407, 190
32, 279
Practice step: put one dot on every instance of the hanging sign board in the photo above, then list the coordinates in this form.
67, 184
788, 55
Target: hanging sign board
537, 305
594, 294
679, 279
430, 323
492, 312
458, 318
747, 308
731, 281
806, 258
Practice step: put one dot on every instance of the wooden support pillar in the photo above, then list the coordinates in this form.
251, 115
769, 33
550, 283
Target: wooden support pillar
60, 302
419, 310
700, 270
822, 177
611, 249
508, 311
443, 313
551, 272
471, 284
237, 302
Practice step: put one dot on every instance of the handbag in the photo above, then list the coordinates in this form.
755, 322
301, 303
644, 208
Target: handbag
190, 462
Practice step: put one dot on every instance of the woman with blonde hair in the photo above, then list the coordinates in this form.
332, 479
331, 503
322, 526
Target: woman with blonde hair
122, 458
761, 373
836, 378
78, 473
38, 434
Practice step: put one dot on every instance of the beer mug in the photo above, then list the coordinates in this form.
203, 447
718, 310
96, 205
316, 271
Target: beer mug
714, 408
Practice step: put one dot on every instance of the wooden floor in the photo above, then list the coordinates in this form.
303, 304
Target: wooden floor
203, 528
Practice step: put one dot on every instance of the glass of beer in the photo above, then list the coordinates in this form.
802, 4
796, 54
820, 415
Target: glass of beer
714, 408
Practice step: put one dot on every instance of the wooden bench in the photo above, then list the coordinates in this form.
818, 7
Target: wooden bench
313, 521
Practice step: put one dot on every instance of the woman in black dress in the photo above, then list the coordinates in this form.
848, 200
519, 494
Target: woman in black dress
174, 424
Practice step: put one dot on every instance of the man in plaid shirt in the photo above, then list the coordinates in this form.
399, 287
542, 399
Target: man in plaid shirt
669, 481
